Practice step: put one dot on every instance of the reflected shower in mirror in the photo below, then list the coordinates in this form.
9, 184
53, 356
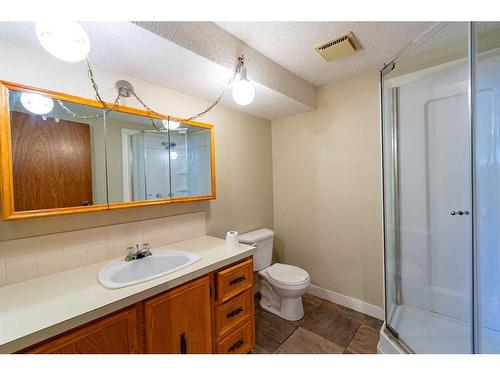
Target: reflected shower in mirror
138, 158
190, 161
153, 159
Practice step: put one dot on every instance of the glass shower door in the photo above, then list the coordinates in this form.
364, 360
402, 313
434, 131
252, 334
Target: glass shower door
427, 193
487, 178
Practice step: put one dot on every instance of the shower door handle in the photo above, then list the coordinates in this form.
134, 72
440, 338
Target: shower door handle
453, 213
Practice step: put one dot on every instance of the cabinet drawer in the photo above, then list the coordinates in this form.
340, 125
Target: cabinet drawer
233, 312
238, 342
234, 280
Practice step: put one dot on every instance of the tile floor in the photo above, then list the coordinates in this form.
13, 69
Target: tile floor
325, 328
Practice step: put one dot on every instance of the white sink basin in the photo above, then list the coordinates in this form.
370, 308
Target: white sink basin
121, 273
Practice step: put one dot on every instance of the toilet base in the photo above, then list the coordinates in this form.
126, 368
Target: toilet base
288, 308
291, 309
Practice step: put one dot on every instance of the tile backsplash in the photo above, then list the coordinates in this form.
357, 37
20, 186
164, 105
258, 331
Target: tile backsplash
38, 256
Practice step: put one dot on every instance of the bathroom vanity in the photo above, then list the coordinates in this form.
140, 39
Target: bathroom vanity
207, 307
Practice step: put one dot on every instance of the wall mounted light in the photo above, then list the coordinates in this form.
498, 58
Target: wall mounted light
68, 41
36, 103
243, 91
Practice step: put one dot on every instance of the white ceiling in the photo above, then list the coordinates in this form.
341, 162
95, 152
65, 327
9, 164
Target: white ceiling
291, 44
126, 48
197, 58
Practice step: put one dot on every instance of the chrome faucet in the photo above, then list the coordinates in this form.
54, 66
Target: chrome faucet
135, 253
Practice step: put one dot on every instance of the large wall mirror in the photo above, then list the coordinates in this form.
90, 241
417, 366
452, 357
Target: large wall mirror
62, 154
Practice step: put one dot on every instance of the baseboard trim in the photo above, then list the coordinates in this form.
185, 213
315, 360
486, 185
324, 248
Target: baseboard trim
352, 303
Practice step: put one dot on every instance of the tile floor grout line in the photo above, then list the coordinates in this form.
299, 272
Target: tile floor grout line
324, 304
347, 317
296, 328
352, 337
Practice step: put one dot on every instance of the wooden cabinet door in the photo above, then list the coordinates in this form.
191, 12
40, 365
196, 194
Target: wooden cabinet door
116, 334
179, 321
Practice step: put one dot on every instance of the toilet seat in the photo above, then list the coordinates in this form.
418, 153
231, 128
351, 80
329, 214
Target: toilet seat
287, 274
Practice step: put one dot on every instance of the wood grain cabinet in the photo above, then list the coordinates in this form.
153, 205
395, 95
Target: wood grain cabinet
232, 280
116, 334
211, 314
233, 307
179, 321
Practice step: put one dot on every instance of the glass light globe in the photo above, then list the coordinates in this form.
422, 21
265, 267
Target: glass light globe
243, 91
173, 124
36, 103
68, 41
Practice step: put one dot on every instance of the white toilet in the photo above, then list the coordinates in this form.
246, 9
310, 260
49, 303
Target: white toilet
281, 286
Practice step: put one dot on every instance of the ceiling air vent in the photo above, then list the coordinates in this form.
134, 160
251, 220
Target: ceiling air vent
338, 48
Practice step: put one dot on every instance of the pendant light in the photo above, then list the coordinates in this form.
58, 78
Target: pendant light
243, 91
68, 41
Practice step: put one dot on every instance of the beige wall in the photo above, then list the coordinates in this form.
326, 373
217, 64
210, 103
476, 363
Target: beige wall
242, 142
327, 189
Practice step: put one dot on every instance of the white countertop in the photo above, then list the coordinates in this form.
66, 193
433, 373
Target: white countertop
37, 309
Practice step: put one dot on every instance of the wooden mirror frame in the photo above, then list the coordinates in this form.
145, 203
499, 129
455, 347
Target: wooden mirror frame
6, 172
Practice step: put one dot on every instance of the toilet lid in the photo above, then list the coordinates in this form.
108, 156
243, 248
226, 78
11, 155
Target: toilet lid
285, 273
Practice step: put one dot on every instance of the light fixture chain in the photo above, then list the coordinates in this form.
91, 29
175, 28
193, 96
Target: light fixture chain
148, 108
84, 117
75, 115
107, 108
97, 95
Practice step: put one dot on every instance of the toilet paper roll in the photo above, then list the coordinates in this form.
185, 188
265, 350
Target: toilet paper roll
232, 239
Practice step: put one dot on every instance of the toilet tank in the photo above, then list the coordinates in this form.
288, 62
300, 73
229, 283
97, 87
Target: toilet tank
263, 240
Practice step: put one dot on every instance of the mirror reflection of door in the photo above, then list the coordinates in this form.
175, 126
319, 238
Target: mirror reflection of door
51, 162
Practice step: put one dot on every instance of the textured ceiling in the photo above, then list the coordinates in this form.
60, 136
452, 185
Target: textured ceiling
291, 44
126, 48
217, 45
197, 58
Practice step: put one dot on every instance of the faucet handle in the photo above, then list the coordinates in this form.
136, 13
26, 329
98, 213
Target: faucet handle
146, 245
130, 250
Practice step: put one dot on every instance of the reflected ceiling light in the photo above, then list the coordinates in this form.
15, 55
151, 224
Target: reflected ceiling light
169, 124
68, 41
243, 91
36, 103
173, 155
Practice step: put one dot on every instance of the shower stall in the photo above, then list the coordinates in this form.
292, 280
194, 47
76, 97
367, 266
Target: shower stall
440, 111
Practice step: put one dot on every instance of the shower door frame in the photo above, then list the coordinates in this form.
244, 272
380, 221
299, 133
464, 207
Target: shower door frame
393, 148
